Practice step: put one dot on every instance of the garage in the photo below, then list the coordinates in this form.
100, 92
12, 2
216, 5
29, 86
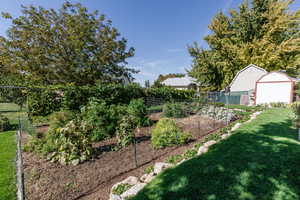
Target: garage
274, 87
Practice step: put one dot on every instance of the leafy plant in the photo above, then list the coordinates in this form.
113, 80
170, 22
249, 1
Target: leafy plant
296, 110
121, 188
149, 169
4, 123
190, 153
72, 143
173, 159
175, 110
138, 111
125, 131
103, 118
166, 133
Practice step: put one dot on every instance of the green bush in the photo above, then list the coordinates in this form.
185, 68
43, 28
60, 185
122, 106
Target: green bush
296, 110
72, 143
43, 102
175, 110
60, 119
4, 123
138, 111
103, 118
166, 133
125, 131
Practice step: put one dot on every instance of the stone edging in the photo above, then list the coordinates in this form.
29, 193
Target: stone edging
139, 184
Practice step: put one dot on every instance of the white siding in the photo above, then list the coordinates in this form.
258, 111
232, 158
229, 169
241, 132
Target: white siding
273, 92
275, 76
246, 79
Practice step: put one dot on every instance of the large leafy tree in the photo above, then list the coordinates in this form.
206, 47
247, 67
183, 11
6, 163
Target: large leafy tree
69, 45
262, 32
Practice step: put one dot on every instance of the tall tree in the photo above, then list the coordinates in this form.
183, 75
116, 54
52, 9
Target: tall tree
262, 32
69, 45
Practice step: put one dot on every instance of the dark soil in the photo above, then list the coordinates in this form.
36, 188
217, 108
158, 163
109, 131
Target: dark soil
93, 180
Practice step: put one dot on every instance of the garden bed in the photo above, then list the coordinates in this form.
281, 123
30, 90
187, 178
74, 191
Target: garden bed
93, 179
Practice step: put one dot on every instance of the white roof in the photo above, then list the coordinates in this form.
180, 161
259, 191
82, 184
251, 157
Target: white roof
182, 81
251, 65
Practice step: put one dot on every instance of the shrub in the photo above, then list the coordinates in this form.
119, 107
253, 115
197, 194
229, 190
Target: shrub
4, 123
60, 119
175, 110
166, 133
43, 102
102, 118
278, 105
296, 110
138, 111
72, 143
125, 131
121, 188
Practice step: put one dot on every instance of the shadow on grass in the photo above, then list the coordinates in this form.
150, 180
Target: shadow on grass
258, 162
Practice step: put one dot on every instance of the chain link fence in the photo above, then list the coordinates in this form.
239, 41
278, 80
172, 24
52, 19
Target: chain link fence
201, 116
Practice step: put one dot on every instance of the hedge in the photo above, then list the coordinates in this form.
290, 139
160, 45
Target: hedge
44, 101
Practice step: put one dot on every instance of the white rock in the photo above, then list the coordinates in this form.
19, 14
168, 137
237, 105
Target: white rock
133, 190
236, 126
160, 166
114, 197
224, 136
131, 180
181, 161
146, 178
202, 150
209, 143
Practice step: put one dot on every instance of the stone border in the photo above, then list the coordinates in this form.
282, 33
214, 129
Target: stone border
139, 184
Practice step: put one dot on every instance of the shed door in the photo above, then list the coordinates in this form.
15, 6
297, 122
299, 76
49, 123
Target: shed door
273, 92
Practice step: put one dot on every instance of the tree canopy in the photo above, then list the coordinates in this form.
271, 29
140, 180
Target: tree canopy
262, 32
65, 46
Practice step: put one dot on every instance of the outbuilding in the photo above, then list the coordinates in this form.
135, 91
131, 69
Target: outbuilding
275, 87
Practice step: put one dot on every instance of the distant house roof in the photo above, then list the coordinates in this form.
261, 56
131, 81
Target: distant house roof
182, 81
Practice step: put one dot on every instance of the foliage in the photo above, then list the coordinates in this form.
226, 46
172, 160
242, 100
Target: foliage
4, 123
173, 159
296, 110
169, 94
68, 45
103, 118
138, 111
72, 143
60, 119
149, 169
121, 188
278, 104
265, 33
297, 89
166, 133
43, 102
175, 110
190, 153
125, 131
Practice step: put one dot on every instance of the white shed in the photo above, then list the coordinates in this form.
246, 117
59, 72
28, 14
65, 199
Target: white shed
245, 79
274, 87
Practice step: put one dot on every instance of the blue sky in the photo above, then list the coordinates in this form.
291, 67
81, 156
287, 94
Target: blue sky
159, 30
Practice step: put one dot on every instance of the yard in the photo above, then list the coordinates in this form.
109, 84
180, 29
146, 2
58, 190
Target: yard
260, 161
7, 165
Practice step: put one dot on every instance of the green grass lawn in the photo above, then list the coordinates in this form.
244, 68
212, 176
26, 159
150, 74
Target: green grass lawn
261, 161
7, 165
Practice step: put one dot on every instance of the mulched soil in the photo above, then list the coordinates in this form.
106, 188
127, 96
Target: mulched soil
93, 180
